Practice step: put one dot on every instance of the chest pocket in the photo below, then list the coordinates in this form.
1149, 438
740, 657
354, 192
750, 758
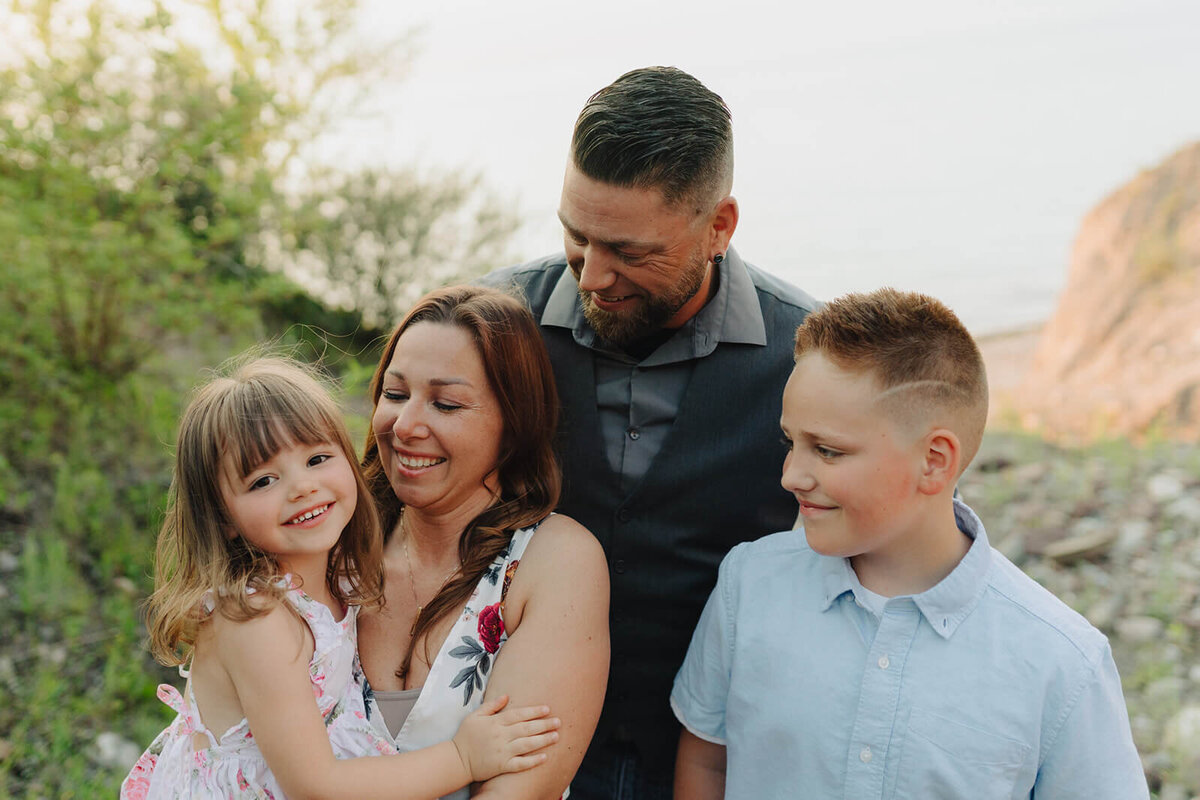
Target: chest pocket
947, 760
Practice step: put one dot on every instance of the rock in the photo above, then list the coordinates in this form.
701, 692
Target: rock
8, 561
1181, 738
113, 751
1132, 537
1186, 508
1094, 541
1173, 791
1164, 487
1139, 630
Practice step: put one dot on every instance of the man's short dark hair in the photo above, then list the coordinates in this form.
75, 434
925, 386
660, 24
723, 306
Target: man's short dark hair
657, 127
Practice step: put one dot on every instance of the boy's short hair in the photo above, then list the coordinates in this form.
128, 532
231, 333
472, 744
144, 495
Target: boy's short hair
918, 350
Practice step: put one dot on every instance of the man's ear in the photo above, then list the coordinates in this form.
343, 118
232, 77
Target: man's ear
939, 467
724, 223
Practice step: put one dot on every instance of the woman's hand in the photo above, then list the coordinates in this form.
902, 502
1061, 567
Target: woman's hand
491, 741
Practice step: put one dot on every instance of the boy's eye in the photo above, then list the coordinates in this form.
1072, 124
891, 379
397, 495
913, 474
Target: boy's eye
262, 482
786, 442
825, 452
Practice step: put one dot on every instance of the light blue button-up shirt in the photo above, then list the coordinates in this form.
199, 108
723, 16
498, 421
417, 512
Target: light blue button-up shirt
985, 686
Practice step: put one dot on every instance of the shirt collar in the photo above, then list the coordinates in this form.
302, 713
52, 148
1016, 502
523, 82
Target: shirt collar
732, 316
945, 605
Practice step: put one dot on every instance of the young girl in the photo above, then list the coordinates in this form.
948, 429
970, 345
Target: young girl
269, 545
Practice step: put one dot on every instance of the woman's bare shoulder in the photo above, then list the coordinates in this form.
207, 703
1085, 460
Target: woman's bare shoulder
560, 537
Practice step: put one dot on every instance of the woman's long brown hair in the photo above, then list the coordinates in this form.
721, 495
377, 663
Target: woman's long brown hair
519, 373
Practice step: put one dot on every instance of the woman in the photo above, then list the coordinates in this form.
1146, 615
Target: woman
460, 462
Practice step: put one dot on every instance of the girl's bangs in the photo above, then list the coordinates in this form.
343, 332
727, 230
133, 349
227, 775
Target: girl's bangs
262, 420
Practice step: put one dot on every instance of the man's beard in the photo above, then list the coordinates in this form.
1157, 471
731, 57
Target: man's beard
650, 314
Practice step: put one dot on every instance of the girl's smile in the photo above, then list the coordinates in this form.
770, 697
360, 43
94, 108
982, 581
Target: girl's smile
294, 505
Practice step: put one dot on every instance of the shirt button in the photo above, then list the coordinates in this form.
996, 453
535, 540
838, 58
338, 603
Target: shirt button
635, 434
883, 662
865, 755
619, 565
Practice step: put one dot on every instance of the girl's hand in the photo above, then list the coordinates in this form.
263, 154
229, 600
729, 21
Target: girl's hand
490, 742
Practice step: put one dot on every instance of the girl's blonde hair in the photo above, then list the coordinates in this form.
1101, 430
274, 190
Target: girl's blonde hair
248, 413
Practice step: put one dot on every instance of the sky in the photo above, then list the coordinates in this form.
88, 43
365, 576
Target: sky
946, 147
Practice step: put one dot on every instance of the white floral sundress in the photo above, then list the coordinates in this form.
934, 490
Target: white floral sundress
459, 674
232, 765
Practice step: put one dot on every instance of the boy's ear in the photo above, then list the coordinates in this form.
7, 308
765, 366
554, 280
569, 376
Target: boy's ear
939, 467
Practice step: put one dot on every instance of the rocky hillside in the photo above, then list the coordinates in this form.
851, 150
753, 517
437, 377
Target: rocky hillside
1121, 355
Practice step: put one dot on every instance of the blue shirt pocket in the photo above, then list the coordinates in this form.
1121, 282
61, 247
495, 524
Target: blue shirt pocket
944, 759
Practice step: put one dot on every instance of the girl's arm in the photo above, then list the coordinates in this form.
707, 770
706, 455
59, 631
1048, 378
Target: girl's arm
557, 652
699, 768
267, 660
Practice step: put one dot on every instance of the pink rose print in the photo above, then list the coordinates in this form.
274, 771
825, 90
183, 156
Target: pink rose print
137, 784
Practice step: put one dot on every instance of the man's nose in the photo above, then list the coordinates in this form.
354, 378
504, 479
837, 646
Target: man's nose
593, 267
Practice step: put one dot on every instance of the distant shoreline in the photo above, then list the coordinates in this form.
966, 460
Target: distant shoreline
1007, 356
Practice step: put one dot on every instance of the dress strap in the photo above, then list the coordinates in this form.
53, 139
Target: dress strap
194, 712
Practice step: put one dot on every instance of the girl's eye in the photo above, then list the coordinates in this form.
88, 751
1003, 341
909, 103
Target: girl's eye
320, 458
262, 482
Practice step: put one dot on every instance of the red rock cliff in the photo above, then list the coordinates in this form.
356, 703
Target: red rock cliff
1122, 352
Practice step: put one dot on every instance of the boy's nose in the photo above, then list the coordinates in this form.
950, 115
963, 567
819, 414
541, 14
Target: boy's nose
795, 477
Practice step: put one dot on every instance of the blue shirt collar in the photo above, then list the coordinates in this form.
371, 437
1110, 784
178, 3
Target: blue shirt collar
946, 604
732, 316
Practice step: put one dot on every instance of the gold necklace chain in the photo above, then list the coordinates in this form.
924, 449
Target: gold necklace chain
412, 585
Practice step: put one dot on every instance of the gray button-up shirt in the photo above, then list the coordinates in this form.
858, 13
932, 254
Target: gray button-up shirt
638, 400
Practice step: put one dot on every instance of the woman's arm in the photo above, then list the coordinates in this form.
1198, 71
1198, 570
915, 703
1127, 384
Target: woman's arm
557, 651
267, 660
699, 768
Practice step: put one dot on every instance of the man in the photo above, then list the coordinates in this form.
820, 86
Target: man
670, 355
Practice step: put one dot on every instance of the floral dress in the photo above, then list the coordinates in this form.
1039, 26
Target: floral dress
459, 674
232, 765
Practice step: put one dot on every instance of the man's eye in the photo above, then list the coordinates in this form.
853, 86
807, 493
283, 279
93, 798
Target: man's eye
825, 452
786, 442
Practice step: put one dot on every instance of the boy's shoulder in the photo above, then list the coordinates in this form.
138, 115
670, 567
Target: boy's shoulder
1039, 619
776, 558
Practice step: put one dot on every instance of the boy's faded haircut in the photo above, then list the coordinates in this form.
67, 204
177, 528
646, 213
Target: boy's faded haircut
918, 350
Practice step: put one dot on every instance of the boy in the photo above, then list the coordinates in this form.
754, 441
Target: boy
889, 651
